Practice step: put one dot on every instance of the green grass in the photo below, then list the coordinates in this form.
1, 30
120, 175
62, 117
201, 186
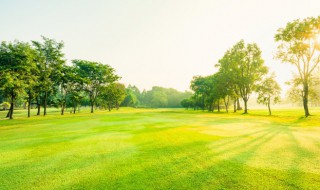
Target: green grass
161, 149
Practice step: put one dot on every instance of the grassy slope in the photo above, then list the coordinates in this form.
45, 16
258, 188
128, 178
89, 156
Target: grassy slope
161, 149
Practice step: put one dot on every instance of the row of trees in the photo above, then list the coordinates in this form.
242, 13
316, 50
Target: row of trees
38, 74
157, 97
242, 71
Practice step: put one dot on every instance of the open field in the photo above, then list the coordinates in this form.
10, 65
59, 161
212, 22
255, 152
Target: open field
161, 149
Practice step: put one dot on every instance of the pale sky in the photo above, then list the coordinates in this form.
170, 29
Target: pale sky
155, 42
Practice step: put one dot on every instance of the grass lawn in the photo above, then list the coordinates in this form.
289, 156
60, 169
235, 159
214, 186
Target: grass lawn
161, 149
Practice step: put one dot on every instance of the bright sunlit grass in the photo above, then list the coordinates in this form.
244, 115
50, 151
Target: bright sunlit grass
161, 149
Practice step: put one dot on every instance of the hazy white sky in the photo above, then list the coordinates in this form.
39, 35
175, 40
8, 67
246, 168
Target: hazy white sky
155, 42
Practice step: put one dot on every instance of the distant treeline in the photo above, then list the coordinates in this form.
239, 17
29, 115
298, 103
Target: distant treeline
157, 97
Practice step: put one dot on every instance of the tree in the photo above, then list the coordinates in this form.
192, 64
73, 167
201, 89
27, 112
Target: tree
50, 63
70, 85
119, 92
31, 87
295, 92
159, 98
94, 75
268, 92
75, 97
187, 103
224, 88
247, 69
112, 95
16, 61
299, 46
229, 72
130, 99
199, 86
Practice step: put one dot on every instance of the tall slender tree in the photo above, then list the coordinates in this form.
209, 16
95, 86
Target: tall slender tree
268, 92
299, 45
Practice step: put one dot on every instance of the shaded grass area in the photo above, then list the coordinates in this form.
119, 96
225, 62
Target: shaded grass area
161, 149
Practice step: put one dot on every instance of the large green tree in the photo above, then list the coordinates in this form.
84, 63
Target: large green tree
112, 95
246, 67
299, 45
94, 76
70, 85
228, 71
50, 61
199, 85
16, 63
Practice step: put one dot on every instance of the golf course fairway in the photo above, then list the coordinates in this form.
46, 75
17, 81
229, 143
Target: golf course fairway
160, 149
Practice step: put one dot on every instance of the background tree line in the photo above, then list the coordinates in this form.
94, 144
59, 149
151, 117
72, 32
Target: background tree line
157, 97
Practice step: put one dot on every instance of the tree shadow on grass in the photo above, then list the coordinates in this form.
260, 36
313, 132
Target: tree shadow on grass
208, 169
295, 174
194, 166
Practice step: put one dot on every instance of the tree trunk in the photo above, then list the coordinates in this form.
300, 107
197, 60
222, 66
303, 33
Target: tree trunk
238, 104
235, 106
62, 108
269, 107
11, 107
9, 112
92, 106
212, 104
305, 98
226, 103
29, 106
219, 105
45, 104
38, 105
203, 103
245, 106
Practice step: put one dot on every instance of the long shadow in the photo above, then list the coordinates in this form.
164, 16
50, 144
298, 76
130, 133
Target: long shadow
300, 154
192, 165
239, 160
229, 140
192, 172
177, 171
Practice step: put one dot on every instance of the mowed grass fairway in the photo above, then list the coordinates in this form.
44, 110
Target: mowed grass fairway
161, 149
